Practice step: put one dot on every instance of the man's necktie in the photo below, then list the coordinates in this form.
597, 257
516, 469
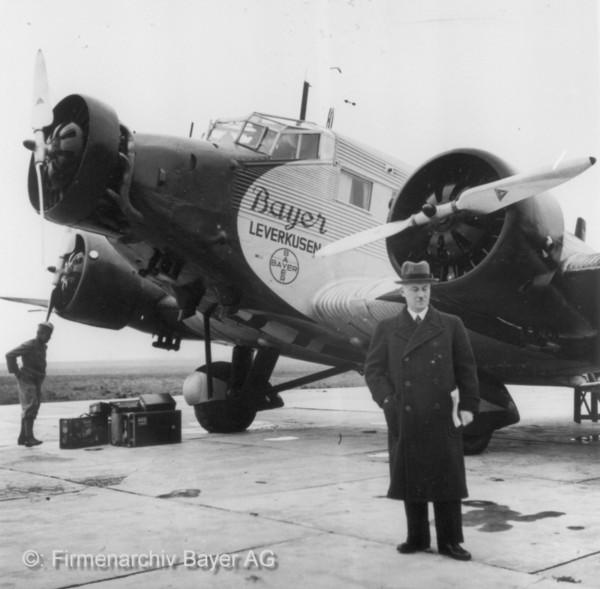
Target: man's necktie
418, 319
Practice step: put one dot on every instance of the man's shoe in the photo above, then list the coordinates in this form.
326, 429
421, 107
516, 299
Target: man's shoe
455, 551
32, 442
21, 439
409, 548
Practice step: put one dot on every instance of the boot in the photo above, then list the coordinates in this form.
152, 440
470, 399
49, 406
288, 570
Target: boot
21, 440
30, 441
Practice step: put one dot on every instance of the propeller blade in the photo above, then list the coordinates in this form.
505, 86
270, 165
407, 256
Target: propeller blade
489, 198
41, 112
367, 236
41, 116
50, 305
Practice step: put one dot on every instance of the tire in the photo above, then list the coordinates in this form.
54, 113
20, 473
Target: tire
224, 417
476, 444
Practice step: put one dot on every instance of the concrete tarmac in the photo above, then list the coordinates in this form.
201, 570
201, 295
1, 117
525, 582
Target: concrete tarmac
296, 501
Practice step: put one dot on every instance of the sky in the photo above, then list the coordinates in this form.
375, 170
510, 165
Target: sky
413, 78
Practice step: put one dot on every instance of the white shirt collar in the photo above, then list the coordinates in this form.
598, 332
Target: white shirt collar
421, 314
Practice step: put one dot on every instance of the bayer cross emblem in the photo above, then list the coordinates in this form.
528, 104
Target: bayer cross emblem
284, 266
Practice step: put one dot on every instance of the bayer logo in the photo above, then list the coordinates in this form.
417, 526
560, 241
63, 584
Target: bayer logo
284, 266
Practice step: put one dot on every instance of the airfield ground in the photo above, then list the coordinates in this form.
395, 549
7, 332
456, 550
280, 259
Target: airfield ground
296, 501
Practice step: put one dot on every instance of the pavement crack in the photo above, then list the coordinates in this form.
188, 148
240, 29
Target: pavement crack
566, 562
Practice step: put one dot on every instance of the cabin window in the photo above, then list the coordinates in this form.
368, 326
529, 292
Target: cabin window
292, 145
355, 190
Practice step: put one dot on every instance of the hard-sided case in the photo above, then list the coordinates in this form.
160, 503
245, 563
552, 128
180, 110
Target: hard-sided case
82, 432
157, 402
146, 428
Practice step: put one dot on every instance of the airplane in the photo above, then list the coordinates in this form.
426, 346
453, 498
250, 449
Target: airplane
281, 237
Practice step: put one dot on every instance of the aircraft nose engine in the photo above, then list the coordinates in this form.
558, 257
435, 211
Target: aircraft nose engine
81, 158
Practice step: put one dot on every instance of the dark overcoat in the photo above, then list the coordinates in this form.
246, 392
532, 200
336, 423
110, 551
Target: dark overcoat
419, 366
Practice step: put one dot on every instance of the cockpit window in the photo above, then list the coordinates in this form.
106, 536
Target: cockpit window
282, 139
225, 132
309, 146
245, 133
292, 145
257, 137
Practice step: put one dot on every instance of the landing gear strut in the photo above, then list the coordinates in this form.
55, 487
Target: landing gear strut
227, 395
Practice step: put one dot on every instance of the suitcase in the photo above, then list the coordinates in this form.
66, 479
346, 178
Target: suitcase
83, 432
100, 408
125, 405
157, 402
146, 428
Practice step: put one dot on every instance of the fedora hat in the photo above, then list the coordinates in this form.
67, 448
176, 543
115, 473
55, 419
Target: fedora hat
415, 272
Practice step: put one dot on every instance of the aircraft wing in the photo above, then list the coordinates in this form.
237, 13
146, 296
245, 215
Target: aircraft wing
35, 302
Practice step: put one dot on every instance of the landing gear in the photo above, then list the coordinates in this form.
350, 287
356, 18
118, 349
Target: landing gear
224, 417
227, 395
497, 410
476, 444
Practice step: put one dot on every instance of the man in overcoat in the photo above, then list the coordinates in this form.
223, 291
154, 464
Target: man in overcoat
30, 376
415, 362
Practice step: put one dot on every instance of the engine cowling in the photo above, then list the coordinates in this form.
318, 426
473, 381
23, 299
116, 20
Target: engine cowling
82, 160
497, 268
458, 244
95, 286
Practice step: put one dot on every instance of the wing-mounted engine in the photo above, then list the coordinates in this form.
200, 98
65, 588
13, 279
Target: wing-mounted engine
457, 244
520, 244
82, 163
95, 286
497, 267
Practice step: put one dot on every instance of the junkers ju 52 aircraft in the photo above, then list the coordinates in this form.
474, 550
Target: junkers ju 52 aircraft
280, 237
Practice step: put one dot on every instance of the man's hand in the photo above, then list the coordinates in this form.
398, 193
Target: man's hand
466, 417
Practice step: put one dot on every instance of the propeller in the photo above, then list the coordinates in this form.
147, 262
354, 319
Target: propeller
479, 200
41, 112
41, 116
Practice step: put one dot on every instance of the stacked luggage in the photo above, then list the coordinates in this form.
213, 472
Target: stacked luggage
148, 420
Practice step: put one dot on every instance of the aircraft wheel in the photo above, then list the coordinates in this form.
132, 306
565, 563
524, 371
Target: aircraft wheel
224, 417
476, 444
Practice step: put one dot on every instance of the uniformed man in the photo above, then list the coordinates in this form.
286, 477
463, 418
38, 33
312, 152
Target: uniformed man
30, 376
415, 363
